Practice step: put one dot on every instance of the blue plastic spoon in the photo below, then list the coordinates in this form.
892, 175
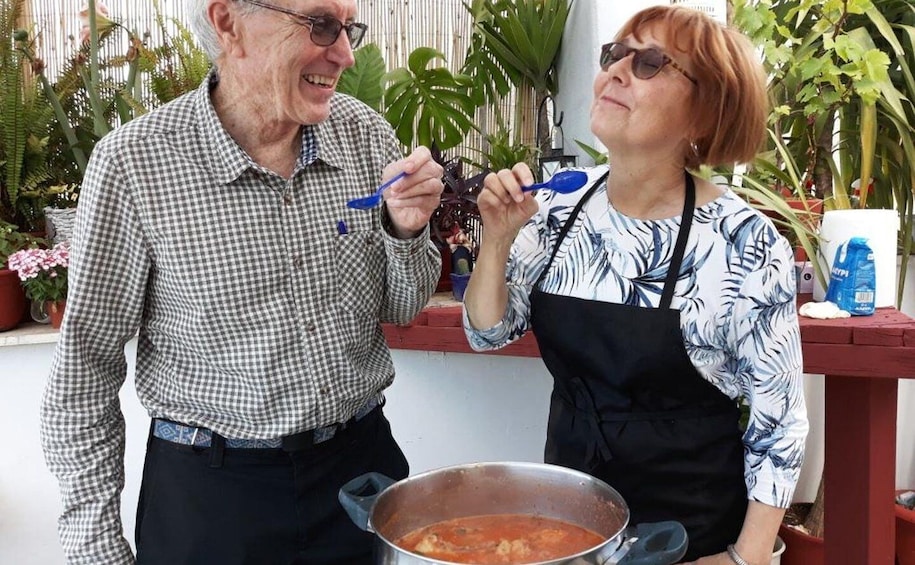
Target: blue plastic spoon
373, 200
562, 182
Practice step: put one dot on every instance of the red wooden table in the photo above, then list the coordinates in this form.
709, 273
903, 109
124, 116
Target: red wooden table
862, 358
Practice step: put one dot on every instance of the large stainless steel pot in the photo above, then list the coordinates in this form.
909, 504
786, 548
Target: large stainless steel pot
393, 509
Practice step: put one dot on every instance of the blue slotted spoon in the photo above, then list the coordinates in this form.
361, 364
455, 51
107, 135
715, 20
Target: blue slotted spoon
562, 182
373, 200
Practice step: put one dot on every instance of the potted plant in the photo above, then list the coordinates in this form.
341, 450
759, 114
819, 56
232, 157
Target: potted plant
905, 527
93, 95
842, 110
13, 304
455, 225
43, 273
512, 44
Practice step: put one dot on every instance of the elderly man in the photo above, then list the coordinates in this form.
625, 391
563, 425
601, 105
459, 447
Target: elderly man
215, 228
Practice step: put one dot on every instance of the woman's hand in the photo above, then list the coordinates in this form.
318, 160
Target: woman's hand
411, 200
717, 559
503, 207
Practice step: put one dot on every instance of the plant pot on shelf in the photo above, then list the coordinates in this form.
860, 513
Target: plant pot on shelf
59, 223
905, 534
55, 312
444, 280
12, 300
459, 285
800, 547
778, 551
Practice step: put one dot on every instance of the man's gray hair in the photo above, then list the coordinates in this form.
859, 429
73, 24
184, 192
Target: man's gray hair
199, 23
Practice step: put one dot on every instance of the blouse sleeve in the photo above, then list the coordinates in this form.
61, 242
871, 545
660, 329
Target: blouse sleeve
767, 345
529, 255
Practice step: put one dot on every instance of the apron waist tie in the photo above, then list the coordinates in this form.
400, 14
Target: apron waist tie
598, 449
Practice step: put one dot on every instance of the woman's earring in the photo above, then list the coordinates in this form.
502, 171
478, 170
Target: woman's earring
694, 147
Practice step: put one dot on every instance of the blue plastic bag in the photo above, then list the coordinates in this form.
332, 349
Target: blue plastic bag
852, 278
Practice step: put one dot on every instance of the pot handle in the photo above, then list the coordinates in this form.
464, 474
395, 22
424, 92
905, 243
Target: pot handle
655, 543
358, 496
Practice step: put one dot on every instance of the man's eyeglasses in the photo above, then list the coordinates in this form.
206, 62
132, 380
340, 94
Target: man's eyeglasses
646, 63
324, 29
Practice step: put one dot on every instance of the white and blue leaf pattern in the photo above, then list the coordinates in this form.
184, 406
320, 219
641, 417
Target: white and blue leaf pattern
735, 292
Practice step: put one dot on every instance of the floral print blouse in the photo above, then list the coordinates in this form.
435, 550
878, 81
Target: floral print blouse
736, 300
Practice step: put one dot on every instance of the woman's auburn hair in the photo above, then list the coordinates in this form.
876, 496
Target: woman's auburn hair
731, 103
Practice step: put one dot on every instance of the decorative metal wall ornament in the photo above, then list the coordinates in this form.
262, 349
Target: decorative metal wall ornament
553, 157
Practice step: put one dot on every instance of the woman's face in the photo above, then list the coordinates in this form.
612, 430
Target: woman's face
647, 116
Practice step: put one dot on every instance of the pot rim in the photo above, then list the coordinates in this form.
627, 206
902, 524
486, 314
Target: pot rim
616, 538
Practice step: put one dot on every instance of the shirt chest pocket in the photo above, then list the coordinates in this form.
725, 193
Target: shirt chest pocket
360, 267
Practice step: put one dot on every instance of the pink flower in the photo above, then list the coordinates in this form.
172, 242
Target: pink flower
43, 272
101, 20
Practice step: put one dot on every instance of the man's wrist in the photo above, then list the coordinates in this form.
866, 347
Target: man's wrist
388, 225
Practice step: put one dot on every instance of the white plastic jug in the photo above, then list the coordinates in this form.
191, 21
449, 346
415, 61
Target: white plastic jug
880, 228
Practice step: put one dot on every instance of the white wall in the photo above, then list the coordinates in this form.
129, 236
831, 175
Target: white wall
445, 409
590, 25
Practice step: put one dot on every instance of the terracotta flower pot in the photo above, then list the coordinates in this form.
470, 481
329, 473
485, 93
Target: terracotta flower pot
801, 548
905, 534
12, 300
55, 312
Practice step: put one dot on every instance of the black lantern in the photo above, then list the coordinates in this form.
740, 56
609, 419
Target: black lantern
552, 156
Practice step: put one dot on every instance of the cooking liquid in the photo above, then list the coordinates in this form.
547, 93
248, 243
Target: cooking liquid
499, 538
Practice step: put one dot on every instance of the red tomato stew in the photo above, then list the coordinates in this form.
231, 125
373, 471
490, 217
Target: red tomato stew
511, 539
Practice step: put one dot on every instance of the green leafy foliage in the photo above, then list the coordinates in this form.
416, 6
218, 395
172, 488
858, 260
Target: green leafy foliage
364, 80
427, 105
503, 154
12, 240
25, 125
599, 157
176, 66
492, 79
525, 36
842, 82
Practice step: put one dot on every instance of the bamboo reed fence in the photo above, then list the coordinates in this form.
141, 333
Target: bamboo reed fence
396, 26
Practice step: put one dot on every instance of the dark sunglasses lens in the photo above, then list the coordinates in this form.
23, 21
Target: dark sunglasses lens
648, 63
611, 53
324, 31
355, 33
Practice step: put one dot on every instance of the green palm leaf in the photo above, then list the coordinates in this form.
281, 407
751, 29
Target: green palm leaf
426, 105
364, 80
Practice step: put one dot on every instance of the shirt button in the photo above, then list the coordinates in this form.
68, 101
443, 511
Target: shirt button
325, 391
297, 262
310, 326
287, 199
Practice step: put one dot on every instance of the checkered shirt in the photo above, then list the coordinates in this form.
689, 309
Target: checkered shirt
255, 317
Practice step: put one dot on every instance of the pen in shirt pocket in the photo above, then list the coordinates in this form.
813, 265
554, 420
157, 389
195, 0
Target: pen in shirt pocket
341, 227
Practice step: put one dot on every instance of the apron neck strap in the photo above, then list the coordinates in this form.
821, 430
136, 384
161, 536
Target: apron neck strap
686, 221
568, 224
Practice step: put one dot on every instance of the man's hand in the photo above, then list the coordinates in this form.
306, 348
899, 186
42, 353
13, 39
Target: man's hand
412, 200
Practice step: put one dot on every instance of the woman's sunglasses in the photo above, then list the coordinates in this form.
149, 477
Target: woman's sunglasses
646, 63
324, 29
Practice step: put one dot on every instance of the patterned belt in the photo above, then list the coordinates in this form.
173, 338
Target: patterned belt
203, 437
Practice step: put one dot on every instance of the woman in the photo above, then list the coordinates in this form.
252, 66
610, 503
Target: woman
659, 299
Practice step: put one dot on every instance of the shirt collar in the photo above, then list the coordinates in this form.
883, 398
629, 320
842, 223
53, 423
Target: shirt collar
230, 160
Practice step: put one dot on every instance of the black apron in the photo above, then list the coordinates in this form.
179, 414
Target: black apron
629, 407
